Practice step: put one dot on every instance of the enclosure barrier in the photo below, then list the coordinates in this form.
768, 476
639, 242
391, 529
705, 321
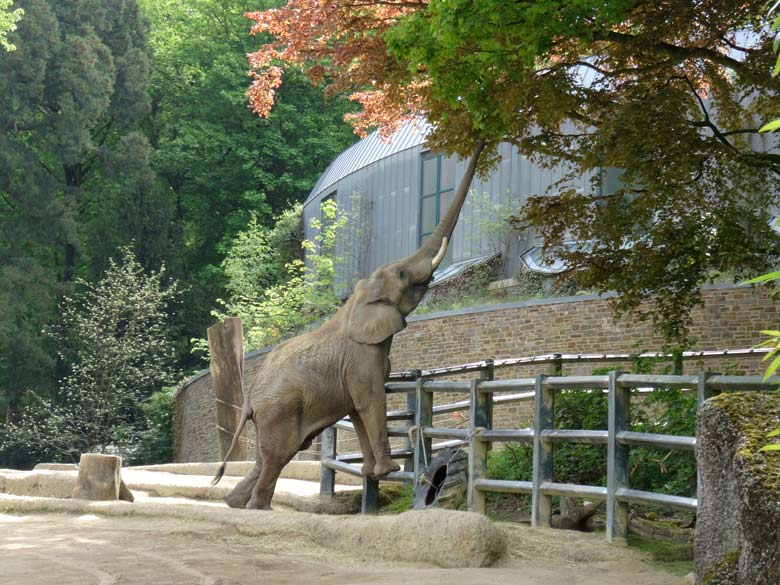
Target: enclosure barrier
485, 393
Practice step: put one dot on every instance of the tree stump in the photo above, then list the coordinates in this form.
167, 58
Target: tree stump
226, 346
99, 478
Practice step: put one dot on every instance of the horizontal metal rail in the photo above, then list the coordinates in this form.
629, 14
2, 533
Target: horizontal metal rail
357, 457
562, 358
335, 465
504, 435
656, 381
656, 440
550, 488
445, 386
575, 436
506, 385
503, 485
434, 433
576, 382
654, 499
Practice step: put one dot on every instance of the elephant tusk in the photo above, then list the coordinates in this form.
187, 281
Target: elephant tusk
440, 254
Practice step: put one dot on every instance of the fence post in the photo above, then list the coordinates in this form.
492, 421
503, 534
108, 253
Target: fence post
411, 406
703, 393
369, 503
556, 366
423, 417
328, 451
617, 459
541, 505
481, 408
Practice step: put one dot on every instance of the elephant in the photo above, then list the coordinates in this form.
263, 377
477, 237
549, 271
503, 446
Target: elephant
311, 381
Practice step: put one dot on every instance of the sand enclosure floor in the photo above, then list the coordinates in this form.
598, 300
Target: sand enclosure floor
81, 549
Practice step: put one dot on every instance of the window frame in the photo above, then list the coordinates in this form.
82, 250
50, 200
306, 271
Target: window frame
424, 157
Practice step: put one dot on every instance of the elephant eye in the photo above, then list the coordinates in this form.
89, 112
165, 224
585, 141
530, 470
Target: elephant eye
402, 273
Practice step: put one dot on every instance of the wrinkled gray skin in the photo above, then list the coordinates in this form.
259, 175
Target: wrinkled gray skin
311, 381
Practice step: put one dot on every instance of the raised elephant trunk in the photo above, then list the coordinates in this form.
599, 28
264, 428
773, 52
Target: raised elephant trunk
428, 257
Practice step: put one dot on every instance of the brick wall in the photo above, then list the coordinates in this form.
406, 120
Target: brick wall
731, 318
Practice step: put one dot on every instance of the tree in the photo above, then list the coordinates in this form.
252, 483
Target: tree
666, 92
117, 340
74, 171
220, 163
274, 297
8, 20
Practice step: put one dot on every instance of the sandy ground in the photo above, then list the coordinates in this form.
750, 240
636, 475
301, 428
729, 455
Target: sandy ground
63, 549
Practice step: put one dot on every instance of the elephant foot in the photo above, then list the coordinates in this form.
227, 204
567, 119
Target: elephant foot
235, 500
382, 469
254, 504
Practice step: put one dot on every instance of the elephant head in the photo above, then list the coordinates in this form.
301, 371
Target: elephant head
380, 303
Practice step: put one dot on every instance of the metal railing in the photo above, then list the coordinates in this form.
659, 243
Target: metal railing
485, 393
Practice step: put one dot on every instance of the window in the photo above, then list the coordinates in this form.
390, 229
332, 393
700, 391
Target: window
325, 223
437, 183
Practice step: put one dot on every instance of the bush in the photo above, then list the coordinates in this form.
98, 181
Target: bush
156, 442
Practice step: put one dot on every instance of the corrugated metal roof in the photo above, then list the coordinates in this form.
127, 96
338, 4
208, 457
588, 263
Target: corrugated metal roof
367, 151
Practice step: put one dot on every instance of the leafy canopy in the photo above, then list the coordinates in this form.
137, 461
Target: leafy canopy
664, 96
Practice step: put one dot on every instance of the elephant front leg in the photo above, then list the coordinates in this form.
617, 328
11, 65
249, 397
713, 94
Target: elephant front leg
374, 417
369, 462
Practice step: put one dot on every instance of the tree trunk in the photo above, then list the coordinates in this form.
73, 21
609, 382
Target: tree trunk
100, 479
226, 345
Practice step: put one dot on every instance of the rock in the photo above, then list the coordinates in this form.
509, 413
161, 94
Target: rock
737, 539
99, 478
56, 467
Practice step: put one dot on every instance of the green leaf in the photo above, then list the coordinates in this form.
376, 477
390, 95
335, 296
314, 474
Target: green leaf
774, 447
772, 368
775, 433
774, 124
770, 275
771, 332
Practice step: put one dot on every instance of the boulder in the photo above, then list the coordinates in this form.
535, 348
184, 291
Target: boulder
737, 539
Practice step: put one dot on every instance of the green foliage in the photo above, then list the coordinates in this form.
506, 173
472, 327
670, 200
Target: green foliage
155, 442
276, 300
617, 85
8, 19
672, 556
115, 339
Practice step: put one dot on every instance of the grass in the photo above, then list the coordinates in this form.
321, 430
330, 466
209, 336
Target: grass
671, 556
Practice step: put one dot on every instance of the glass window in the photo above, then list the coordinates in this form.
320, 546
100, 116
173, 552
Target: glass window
429, 176
436, 192
428, 215
447, 180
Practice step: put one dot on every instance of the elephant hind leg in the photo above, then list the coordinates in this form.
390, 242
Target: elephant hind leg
239, 495
263, 490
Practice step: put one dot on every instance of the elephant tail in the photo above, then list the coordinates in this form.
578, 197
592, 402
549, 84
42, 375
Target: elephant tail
246, 412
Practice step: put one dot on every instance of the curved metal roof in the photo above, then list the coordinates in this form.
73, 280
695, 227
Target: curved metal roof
367, 151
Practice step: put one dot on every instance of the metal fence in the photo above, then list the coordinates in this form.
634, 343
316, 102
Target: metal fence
485, 393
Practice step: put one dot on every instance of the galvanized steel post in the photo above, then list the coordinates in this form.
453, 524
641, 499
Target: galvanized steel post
327, 451
481, 406
617, 459
541, 505
369, 503
411, 406
423, 417
703, 393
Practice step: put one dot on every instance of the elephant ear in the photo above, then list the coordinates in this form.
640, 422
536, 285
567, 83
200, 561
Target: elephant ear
373, 318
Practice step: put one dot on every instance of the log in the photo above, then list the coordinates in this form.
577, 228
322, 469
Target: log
99, 478
226, 345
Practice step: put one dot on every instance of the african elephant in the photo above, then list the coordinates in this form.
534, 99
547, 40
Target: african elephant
311, 381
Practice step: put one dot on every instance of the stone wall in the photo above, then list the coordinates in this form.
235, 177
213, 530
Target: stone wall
732, 318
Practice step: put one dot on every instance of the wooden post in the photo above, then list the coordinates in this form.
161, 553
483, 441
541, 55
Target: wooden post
99, 478
328, 451
411, 406
423, 417
481, 417
617, 459
370, 501
541, 505
226, 346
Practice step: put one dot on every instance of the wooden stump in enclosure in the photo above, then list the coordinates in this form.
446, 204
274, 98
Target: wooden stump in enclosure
226, 345
99, 478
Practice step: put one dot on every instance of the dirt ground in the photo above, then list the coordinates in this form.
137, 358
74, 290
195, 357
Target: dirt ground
73, 549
